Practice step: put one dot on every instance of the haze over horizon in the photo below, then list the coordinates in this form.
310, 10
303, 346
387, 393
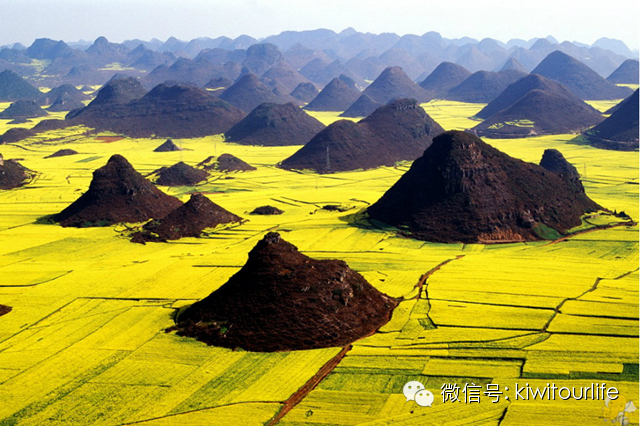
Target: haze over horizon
119, 20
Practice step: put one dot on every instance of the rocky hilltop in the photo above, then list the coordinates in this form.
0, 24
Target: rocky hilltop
464, 190
337, 95
620, 130
23, 109
13, 88
446, 76
394, 83
398, 131
13, 174
282, 300
168, 110
275, 125
188, 220
540, 112
117, 193
579, 78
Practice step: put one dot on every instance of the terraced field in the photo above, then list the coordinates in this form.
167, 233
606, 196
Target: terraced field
85, 342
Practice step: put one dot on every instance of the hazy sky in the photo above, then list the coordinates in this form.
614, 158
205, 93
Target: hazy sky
118, 20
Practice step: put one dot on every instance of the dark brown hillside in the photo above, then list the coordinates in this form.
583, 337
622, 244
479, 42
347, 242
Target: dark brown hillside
62, 153
179, 174
117, 193
620, 130
550, 113
266, 211
225, 163
166, 111
4, 310
167, 146
16, 134
398, 131
13, 174
282, 300
464, 190
188, 220
275, 125
515, 91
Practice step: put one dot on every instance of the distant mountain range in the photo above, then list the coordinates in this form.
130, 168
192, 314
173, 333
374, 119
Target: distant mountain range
318, 55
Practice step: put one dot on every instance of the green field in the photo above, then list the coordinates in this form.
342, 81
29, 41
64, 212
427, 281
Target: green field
85, 342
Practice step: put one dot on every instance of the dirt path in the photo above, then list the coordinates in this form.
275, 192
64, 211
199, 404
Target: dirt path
314, 381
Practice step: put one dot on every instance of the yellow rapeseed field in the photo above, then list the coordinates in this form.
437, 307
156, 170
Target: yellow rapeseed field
85, 342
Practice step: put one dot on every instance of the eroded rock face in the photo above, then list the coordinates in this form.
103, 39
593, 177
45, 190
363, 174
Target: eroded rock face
283, 300
464, 190
554, 161
117, 193
188, 220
